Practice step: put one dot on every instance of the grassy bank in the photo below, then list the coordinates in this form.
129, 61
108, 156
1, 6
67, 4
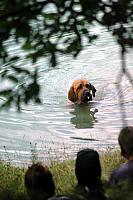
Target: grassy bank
12, 178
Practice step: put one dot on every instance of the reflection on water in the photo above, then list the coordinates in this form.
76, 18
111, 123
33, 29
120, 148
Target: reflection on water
57, 127
83, 117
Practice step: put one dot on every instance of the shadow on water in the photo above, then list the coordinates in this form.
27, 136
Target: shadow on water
83, 117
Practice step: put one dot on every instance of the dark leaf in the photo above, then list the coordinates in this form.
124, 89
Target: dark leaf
5, 92
27, 46
15, 58
18, 102
12, 78
20, 70
74, 46
53, 60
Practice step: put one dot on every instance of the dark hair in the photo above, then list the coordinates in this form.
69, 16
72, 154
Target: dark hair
39, 182
88, 170
125, 140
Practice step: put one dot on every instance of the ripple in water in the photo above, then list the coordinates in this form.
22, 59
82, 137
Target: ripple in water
57, 128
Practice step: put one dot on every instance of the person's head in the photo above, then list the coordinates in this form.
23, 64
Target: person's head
39, 182
125, 140
88, 169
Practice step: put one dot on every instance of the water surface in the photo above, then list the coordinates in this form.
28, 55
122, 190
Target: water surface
58, 127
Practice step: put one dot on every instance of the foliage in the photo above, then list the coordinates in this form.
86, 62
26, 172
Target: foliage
11, 182
64, 176
48, 28
124, 191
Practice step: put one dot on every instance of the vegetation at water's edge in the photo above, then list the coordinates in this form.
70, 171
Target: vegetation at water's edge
12, 178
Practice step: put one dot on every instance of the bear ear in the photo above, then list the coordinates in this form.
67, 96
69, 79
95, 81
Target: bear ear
93, 90
71, 95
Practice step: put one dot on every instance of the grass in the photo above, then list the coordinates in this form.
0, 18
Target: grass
64, 175
11, 182
12, 178
110, 160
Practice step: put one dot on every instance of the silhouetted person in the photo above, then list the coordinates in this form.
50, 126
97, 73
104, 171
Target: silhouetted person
88, 173
125, 171
39, 182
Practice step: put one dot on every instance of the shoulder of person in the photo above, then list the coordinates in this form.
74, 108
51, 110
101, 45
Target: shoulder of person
118, 173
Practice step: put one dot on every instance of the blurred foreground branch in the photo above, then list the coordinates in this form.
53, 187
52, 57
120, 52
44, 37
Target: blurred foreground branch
50, 28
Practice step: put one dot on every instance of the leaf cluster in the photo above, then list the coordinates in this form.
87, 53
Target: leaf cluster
49, 28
